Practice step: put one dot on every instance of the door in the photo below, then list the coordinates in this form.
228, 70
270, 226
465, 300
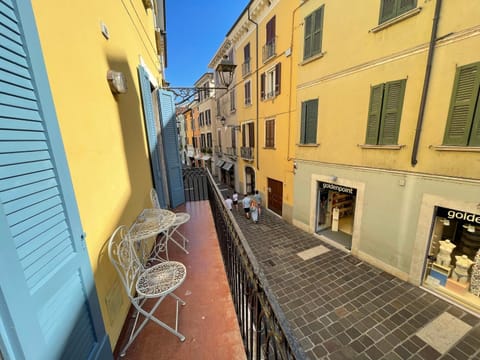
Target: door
249, 180
152, 135
48, 303
275, 196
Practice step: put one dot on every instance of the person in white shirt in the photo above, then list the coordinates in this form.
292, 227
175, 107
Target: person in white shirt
235, 200
228, 203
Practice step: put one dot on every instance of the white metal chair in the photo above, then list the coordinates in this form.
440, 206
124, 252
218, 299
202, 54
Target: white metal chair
180, 218
156, 282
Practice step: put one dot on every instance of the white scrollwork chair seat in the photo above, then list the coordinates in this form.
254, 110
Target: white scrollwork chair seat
141, 284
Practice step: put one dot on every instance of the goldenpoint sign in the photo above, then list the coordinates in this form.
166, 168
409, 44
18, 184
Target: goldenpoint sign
459, 215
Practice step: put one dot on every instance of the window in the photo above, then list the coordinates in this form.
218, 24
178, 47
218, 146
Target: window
269, 47
232, 100
201, 119
209, 140
390, 9
270, 82
248, 132
202, 141
208, 118
195, 143
463, 123
246, 60
385, 110
313, 33
308, 130
270, 133
248, 98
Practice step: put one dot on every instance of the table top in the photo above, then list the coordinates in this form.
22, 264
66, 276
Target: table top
151, 222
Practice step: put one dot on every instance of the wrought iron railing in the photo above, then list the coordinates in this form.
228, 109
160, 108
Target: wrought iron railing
268, 50
246, 152
263, 326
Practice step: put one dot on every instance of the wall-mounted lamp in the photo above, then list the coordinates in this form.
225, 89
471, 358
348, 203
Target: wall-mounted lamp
117, 82
469, 227
333, 178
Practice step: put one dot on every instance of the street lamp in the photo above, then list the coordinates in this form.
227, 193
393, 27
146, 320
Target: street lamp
223, 121
225, 70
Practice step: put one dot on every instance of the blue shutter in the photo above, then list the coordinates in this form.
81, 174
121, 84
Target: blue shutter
49, 307
170, 148
152, 135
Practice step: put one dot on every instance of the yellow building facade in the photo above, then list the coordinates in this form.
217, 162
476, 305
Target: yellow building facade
103, 133
387, 134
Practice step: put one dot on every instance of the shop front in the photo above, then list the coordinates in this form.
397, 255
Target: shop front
335, 212
452, 266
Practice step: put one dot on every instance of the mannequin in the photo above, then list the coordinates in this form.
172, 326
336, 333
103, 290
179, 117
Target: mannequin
460, 273
444, 254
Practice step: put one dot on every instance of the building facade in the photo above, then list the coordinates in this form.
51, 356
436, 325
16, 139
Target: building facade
82, 109
387, 136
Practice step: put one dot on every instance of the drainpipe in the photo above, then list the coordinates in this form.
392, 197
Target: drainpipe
257, 90
426, 82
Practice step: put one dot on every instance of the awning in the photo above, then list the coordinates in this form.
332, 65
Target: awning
206, 157
219, 163
227, 166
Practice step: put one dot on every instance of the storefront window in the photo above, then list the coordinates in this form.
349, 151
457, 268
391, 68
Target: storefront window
453, 260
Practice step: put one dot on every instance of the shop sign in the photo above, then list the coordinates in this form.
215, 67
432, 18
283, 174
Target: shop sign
458, 215
339, 188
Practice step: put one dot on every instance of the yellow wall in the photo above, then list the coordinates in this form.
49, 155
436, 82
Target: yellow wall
103, 134
357, 58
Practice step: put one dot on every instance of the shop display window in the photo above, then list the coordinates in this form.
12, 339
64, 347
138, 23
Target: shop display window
453, 259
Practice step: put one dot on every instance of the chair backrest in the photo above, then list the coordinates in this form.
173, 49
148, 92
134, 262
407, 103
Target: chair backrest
124, 259
154, 199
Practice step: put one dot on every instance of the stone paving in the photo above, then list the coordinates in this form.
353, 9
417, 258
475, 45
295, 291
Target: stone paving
342, 308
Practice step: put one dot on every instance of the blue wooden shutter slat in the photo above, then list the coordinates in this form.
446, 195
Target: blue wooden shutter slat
19, 113
17, 79
13, 146
38, 184
35, 220
7, 11
20, 169
170, 148
13, 183
6, 134
8, 67
20, 124
18, 91
13, 158
35, 209
35, 249
25, 202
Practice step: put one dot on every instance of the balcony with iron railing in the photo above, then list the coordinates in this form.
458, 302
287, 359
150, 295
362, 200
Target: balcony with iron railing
231, 151
246, 153
269, 50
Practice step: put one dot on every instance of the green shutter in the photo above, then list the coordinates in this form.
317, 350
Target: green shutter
475, 134
307, 47
391, 112
387, 10
302, 124
317, 31
405, 5
374, 112
278, 78
462, 106
311, 122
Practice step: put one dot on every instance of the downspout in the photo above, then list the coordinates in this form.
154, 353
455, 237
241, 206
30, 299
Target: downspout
256, 90
426, 82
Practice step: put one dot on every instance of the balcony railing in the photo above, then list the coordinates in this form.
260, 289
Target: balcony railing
263, 326
268, 50
246, 153
246, 68
231, 151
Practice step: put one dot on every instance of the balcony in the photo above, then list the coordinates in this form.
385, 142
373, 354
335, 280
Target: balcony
231, 151
269, 50
246, 153
246, 68
218, 150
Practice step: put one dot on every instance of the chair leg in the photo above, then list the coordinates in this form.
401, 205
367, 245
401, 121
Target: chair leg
183, 239
149, 316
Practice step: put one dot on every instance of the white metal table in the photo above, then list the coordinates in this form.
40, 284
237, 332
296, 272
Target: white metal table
149, 224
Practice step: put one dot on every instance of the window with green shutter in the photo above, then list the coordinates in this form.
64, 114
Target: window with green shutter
463, 123
313, 33
384, 113
390, 9
308, 126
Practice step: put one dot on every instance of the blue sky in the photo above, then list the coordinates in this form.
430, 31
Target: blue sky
195, 31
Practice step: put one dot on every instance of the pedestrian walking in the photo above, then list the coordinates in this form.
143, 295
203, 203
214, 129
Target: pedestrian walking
228, 203
254, 210
258, 199
235, 200
246, 205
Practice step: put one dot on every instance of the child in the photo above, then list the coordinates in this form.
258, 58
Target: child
254, 210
